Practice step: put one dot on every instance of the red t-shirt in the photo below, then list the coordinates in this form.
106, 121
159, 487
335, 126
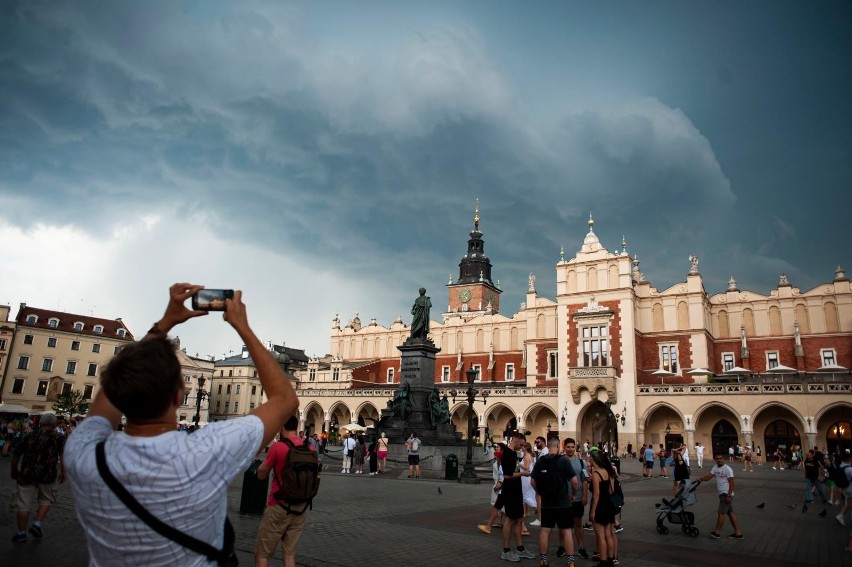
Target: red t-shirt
276, 458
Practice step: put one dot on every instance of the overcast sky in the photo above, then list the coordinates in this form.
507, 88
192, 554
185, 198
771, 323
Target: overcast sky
325, 157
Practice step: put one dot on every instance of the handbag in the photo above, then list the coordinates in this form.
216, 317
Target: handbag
225, 557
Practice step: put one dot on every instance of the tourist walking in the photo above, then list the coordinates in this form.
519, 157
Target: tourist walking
349, 446
513, 501
680, 466
39, 456
554, 479
602, 510
373, 457
496, 493
360, 453
699, 455
664, 458
813, 478
724, 476
579, 498
383, 453
412, 445
649, 461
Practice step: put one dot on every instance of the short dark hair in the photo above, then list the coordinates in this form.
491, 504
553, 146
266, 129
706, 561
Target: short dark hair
569, 440
141, 380
292, 423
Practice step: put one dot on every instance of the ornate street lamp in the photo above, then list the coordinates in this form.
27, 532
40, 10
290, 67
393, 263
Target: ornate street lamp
468, 475
198, 397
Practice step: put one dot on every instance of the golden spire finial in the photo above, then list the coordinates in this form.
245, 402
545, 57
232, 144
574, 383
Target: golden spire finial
591, 222
476, 216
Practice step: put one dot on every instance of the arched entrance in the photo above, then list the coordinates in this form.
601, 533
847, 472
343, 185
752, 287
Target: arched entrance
782, 435
723, 436
838, 437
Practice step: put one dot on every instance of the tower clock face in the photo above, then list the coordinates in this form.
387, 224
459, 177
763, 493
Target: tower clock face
465, 295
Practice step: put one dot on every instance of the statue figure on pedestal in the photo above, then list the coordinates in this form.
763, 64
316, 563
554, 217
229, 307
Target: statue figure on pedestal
420, 319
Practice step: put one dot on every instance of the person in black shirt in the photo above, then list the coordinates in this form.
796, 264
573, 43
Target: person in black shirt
550, 478
513, 501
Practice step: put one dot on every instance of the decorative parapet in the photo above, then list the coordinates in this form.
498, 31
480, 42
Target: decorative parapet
592, 378
759, 389
443, 388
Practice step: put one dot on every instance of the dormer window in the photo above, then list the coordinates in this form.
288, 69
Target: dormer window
121, 333
53, 322
99, 329
78, 326
32, 319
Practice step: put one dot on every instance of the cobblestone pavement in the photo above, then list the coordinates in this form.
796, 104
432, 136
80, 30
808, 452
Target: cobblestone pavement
392, 520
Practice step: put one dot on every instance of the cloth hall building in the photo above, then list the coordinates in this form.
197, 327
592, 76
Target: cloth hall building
611, 357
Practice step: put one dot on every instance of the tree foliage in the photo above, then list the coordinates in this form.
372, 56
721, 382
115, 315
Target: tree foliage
71, 403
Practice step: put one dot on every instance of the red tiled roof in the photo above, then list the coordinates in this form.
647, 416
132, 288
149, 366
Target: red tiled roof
67, 320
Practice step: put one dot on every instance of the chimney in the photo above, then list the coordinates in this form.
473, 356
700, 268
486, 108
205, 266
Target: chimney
244, 353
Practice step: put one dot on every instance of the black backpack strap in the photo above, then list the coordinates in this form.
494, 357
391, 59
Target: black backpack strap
165, 530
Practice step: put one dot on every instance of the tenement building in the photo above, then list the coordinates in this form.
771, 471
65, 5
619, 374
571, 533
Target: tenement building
613, 358
53, 352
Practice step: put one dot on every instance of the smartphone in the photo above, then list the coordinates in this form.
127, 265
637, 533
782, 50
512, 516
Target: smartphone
211, 299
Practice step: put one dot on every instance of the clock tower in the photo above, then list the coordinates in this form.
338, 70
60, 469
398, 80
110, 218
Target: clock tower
473, 293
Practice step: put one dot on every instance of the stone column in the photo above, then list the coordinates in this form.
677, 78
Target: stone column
812, 440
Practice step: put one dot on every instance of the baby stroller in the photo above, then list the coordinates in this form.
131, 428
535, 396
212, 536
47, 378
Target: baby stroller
674, 510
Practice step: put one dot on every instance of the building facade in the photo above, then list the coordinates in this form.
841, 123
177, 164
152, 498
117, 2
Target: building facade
53, 352
613, 358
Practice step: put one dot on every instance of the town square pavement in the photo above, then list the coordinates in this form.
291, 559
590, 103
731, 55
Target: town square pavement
392, 520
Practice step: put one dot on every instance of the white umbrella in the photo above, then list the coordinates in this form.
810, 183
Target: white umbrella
662, 372
700, 372
183, 422
13, 408
353, 427
738, 370
781, 369
202, 423
832, 368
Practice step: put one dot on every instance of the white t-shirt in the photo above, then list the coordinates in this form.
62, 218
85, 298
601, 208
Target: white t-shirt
699, 450
722, 475
181, 479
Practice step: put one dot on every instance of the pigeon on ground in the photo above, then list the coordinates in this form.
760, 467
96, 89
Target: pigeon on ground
804, 507
792, 506
822, 514
761, 505
440, 491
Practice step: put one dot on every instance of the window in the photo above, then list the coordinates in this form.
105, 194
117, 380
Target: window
253, 390
96, 347
220, 389
828, 357
51, 342
771, 360
595, 346
32, 319
228, 389
312, 374
75, 345
727, 361
2, 344
230, 373
99, 329
66, 387
42, 388
254, 373
18, 386
510, 372
478, 368
71, 367
47, 365
335, 374
87, 391
121, 333
218, 406
116, 350
236, 407
187, 379
185, 397
23, 362
92, 370
238, 388
668, 358
53, 322
78, 326
390, 376
28, 339
552, 363
445, 374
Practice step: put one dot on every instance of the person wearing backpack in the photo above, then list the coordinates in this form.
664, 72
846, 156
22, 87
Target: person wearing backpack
550, 478
413, 447
282, 520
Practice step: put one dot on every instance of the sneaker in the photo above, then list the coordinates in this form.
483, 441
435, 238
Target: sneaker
18, 538
560, 552
524, 554
544, 563
582, 553
735, 536
840, 519
619, 528
615, 561
496, 525
535, 522
509, 556
588, 527
596, 556
35, 530
484, 529
714, 535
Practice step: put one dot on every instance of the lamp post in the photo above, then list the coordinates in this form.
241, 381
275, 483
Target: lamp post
468, 475
198, 397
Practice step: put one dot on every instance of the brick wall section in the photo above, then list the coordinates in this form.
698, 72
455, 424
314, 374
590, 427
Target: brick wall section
615, 353
648, 351
786, 351
541, 357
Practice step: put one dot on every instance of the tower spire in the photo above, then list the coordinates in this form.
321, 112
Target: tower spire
476, 216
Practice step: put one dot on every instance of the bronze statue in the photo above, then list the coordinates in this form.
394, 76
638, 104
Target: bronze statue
440, 408
401, 401
420, 311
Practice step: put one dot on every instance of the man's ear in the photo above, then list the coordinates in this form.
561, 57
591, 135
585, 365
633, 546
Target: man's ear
179, 393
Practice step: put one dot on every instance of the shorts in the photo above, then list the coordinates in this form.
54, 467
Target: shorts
559, 517
277, 525
413, 459
649, 464
513, 505
383, 454
577, 509
27, 493
725, 507
498, 503
662, 462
